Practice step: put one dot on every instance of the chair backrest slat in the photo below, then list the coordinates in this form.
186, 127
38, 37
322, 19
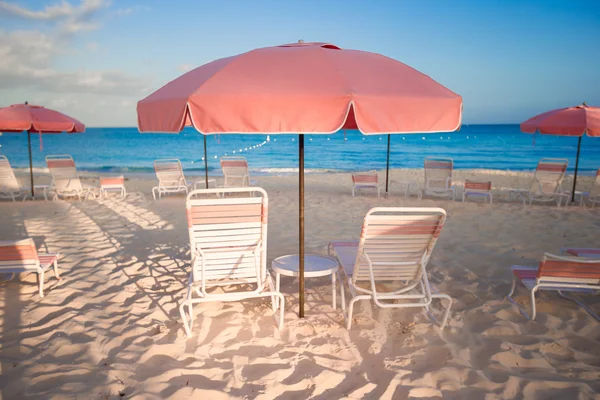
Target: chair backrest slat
371, 177
478, 186
228, 230
549, 175
18, 253
8, 180
572, 269
398, 241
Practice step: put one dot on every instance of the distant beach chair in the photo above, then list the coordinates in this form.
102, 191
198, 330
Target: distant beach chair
395, 246
235, 171
477, 188
438, 177
561, 274
586, 252
593, 195
21, 256
365, 180
546, 184
65, 180
10, 188
228, 241
170, 177
113, 184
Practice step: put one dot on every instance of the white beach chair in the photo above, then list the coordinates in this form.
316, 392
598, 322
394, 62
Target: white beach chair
438, 177
21, 256
113, 184
65, 180
365, 180
477, 188
395, 245
235, 171
593, 195
546, 185
10, 188
170, 178
561, 274
228, 241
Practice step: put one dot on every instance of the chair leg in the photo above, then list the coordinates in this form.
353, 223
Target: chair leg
353, 191
533, 311
350, 310
333, 291
55, 267
41, 283
342, 294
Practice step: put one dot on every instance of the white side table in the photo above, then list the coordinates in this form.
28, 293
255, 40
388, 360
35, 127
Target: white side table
201, 183
42, 188
314, 266
406, 186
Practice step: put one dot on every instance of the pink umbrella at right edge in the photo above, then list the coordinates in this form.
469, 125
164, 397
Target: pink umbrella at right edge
302, 88
570, 121
36, 119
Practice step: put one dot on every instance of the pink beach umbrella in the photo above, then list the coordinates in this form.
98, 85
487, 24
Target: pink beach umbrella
302, 88
570, 121
36, 119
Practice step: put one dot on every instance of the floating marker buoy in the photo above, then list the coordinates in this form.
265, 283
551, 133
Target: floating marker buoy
467, 137
293, 140
234, 152
403, 138
215, 156
423, 138
246, 149
328, 138
202, 158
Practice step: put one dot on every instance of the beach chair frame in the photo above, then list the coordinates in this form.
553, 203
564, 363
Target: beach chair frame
170, 178
10, 188
560, 274
395, 245
365, 180
546, 185
65, 179
228, 242
438, 177
593, 195
21, 256
235, 171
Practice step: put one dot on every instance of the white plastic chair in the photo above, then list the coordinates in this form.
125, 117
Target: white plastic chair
228, 241
395, 246
170, 178
10, 188
365, 180
65, 179
235, 171
438, 177
21, 256
593, 195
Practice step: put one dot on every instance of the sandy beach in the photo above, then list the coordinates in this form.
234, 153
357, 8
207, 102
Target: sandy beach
111, 328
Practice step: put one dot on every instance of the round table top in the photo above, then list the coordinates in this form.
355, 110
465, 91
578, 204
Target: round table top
314, 265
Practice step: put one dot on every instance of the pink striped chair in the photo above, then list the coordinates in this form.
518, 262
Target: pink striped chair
170, 178
10, 188
474, 188
546, 185
235, 171
438, 177
593, 195
561, 274
365, 180
395, 246
65, 179
21, 256
113, 184
228, 241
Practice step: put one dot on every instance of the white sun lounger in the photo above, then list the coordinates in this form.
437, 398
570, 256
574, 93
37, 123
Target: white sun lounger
10, 188
395, 246
170, 178
65, 180
593, 195
113, 184
365, 180
438, 177
546, 185
235, 171
21, 256
561, 274
228, 241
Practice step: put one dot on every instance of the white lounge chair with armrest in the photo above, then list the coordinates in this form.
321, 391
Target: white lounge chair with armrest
593, 195
21, 256
546, 185
170, 178
10, 188
228, 242
438, 177
65, 179
395, 246
561, 274
235, 171
365, 180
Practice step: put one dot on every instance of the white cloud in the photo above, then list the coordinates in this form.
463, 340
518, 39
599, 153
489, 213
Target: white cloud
185, 67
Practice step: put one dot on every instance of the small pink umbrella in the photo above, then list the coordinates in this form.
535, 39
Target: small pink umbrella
570, 121
36, 119
302, 88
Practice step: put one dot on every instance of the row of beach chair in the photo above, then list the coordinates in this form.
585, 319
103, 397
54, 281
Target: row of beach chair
545, 186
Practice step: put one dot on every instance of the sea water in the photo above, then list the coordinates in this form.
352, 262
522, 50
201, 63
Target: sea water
125, 150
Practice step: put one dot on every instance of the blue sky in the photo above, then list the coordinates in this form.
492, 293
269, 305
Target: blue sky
94, 59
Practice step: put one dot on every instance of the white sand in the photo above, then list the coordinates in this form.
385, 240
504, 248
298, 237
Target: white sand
112, 325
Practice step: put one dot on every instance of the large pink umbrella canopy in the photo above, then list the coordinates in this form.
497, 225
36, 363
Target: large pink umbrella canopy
570, 121
36, 119
302, 88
